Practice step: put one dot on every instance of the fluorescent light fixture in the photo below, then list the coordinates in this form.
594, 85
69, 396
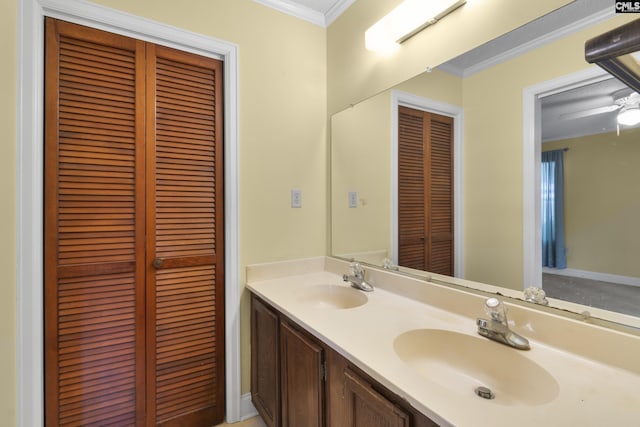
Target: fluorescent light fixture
407, 19
629, 115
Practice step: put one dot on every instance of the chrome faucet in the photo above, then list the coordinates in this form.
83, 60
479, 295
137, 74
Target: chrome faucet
497, 327
356, 278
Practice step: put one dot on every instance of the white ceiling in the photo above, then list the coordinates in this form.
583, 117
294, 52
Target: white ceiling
558, 108
576, 15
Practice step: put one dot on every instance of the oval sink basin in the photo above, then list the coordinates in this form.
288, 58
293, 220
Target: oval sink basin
332, 296
462, 363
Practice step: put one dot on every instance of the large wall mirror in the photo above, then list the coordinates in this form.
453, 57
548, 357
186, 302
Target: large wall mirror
528, 92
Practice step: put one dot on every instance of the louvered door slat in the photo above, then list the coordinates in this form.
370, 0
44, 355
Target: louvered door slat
187, 230
91, 291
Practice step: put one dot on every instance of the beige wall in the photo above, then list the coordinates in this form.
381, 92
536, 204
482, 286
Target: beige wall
8, 78
493, 154
355, 73
602, 202
360, 162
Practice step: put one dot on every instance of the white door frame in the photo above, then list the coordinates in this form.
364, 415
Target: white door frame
406, 99
29, 144
531, 163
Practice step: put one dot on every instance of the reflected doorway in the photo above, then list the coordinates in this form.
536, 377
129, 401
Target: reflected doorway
400, 99
588, 232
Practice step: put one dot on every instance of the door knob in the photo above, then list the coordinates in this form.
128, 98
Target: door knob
157, 263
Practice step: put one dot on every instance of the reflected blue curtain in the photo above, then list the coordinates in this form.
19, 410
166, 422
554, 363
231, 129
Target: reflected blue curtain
553, 245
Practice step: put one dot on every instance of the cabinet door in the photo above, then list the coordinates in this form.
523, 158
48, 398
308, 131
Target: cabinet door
368, 408
265, 380
302, 379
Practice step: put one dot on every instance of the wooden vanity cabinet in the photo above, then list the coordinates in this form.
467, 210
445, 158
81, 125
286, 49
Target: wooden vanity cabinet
302, 378
287, 370
366, 407
265, 361
356, 400
298, 381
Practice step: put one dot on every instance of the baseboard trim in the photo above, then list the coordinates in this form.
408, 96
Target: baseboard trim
594, 275
247, 410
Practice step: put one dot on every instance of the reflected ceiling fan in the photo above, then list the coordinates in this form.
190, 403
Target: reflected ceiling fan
628, 107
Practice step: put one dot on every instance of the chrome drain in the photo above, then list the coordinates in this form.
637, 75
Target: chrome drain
484, 392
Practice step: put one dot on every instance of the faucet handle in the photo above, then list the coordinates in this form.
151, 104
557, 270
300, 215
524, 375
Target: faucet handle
536, 295
494, 308
356, 269
492, 302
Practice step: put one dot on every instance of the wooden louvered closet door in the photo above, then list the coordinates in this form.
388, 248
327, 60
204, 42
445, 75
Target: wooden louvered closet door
425, 191
133, 233
184, 238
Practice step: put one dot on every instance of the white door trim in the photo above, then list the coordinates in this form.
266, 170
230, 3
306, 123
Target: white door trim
457, 113
29, 144
531, 158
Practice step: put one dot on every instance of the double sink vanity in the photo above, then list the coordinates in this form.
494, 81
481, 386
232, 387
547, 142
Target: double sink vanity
409, 353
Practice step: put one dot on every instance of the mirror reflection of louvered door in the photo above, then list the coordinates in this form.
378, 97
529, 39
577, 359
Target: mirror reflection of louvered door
425, 191
134, 303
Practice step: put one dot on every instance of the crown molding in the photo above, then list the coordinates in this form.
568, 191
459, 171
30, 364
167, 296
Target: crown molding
336, 10
315, 17
295, 10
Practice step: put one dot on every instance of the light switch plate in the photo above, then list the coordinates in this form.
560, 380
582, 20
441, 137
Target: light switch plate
353, 199
296, 198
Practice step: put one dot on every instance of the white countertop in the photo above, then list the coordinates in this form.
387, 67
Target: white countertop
589, 392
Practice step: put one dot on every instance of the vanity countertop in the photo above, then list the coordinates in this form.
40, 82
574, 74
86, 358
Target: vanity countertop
582, 387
